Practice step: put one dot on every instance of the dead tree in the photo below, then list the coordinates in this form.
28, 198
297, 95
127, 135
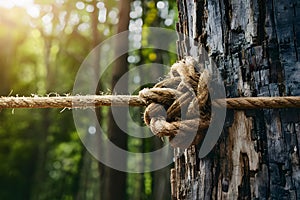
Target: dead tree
254, 44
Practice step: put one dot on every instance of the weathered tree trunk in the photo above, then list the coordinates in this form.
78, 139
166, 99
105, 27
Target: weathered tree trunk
254, 43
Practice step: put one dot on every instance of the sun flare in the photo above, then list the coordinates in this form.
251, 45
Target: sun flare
32, 9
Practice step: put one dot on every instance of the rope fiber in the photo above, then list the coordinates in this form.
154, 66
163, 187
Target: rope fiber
177, 107
180, 107
92, 101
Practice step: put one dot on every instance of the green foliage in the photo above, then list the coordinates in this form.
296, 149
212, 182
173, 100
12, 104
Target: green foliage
17, 153
41, 156
63, 169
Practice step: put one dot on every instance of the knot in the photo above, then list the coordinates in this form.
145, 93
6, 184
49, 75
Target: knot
179, 106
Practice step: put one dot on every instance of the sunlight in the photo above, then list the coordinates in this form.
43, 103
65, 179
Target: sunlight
32, 9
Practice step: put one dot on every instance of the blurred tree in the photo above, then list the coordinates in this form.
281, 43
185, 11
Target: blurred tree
42, 46
14, 175
153, 14
30, 46
115, 181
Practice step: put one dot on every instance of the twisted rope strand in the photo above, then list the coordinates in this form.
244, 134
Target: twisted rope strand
91, 101
259, 102
88, 101
178, 107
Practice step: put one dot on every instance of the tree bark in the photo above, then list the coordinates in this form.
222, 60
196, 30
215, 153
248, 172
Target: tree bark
254, 44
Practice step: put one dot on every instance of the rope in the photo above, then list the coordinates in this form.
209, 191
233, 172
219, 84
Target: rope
92, 101
176, 107
179, 106
89, 101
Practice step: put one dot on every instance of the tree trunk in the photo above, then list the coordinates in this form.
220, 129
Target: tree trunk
87, 180
115, 181
254, 44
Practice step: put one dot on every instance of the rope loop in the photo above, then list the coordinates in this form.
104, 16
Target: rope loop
179, 106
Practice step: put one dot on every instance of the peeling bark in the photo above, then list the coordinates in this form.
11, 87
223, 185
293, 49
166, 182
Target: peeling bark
255, 44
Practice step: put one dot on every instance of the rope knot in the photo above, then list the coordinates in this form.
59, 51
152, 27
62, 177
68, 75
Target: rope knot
179, 105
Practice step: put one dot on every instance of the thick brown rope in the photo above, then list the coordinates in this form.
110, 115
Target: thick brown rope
177, 107
258, 102
91, 101
183, 112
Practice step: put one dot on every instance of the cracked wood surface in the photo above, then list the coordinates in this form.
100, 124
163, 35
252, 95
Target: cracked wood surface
255, 45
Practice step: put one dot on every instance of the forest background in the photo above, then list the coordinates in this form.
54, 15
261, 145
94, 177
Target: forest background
42, 45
